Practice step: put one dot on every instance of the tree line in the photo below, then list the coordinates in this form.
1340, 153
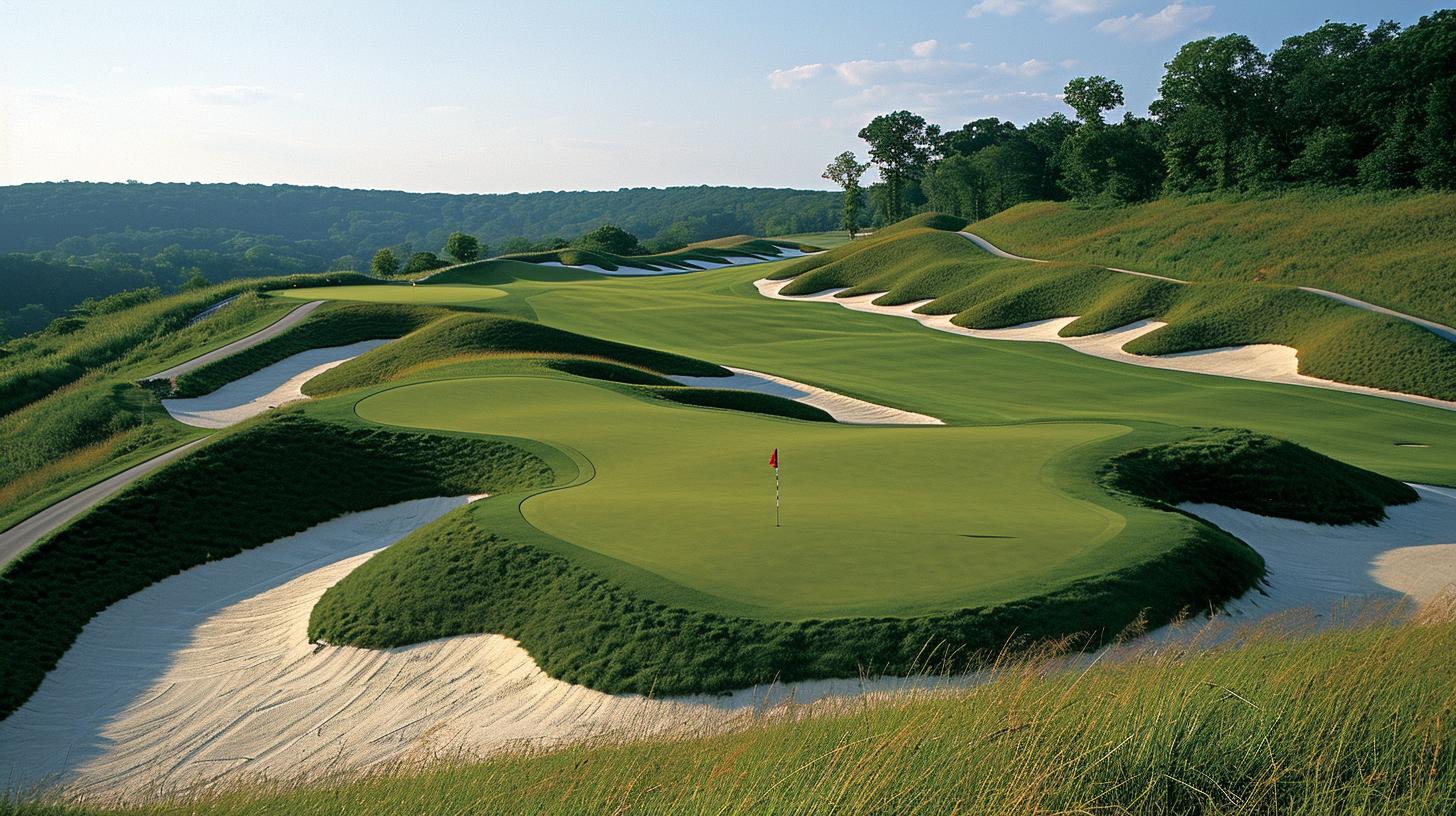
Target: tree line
1344, 105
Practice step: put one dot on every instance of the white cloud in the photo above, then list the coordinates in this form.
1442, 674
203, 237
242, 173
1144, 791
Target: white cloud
1030, 68
784, 78
1175, 18
1001, 8
1062, 9
924, 48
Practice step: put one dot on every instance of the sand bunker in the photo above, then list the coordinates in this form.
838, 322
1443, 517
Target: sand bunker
1265, 362
843, 408
1316, 566
693, 266
208, 677
266, 388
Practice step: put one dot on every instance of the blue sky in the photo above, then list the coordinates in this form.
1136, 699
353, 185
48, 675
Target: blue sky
498, 97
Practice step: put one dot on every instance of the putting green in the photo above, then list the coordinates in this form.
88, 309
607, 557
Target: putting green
876, 520
386, 293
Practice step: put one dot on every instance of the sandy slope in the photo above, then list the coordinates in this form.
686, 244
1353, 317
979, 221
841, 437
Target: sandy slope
1265, 362
266, 388
208, 676
1412, 553
278, 327
843, 408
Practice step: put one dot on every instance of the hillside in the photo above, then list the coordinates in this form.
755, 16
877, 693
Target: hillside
1392, 249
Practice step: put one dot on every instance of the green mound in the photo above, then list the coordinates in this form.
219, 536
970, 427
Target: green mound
1257, 473
716, 251
749, 401
468, 335
336, 326
501, 271
1388, 248
610, 372
1335, 341
381, 292
251, 487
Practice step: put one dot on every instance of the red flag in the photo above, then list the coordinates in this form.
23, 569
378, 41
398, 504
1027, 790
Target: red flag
773, 459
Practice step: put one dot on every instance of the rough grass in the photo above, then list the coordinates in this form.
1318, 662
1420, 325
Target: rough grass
241, 491
467, 335
331, 326
480, 573
1257, 473
1335, 341
1345, 721
1393, 249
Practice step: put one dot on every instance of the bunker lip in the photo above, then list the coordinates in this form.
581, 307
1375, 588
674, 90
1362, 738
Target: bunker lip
845, 409
1262, 362
691, 265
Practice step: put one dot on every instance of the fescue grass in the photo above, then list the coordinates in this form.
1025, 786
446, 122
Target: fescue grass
1335, 341
330, 326
1259, 474
1389, 248
254, 485
1343, 721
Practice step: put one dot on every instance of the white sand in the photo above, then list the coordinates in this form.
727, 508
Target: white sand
843, 408
264, 389
1314, 566
208, 676
1264, 362
693, 266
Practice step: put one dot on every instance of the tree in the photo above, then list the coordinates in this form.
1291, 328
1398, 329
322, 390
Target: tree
973, 136
610, 238
462, 247
384, 263
900, 145
421, 262
1090, 96
957, 185
194, 280
846, 171
1215, 108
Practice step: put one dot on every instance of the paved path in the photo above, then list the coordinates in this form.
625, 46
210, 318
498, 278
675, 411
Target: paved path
280, 326
1439, 329
19, 538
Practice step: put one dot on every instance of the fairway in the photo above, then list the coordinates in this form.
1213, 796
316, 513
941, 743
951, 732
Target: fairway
386, 293
876, 520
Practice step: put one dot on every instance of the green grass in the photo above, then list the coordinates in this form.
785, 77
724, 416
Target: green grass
397, 293
237, 492
1259, 474
1393, 249
1335, 341
468, 336
1342, 722
330, 326
715, 251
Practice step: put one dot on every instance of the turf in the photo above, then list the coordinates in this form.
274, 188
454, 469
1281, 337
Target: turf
1393, 249
1259, 474
398, 293
966, 535
716, 251
237, 492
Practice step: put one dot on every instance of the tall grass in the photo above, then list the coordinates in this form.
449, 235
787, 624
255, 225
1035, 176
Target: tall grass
1277, 720
1389, 248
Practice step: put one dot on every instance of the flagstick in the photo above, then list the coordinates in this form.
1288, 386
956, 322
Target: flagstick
776, 497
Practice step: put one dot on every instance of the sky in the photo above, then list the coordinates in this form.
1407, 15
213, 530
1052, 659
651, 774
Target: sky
542, 95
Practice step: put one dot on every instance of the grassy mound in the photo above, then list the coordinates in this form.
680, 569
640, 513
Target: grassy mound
1345, 721
717, 251
331, 326
252, 486
1388, 248
1335, 341
465, 336
1257, 473
749, 401
481, 573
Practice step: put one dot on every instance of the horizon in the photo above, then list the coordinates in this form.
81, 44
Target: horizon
181, 104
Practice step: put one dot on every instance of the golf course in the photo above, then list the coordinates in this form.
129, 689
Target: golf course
1096, 460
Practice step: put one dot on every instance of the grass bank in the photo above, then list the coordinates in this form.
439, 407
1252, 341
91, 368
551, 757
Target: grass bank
1390, 248
1344, 721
